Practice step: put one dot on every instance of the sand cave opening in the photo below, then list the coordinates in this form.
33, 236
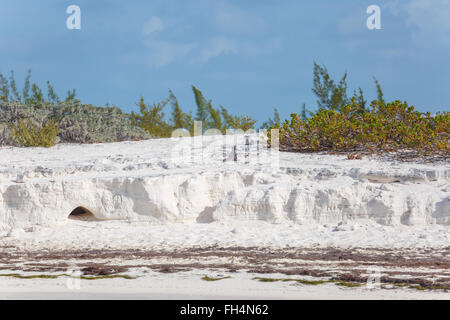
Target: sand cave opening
81, 213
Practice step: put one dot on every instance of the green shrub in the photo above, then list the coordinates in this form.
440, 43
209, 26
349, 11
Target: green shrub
77, 122
272, 122
29, 134
219, 118
10, 93
85, 123
391, 127
151, 118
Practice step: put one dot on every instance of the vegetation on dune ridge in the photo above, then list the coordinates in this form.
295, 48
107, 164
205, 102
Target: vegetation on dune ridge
29, 134
340, 125
74, 122
343, 125
152, 117
386, 128
30, 119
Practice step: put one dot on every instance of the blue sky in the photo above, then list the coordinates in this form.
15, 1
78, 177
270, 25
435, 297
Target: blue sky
247, 55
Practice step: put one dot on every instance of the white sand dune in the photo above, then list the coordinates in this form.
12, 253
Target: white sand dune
192, 198
167, 195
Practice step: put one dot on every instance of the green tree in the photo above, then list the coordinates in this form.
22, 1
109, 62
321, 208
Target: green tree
179, 119
51, 95
4, 88
13, 86
305, 113
70, 95
37, 95
26, 88
330, 95
360, 100
215, 121
236, 122
272, 122
242, 123
380, 95
219, 118
203, 108
31, 93
151, 118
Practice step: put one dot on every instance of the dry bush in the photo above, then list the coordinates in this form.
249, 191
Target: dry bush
29, 134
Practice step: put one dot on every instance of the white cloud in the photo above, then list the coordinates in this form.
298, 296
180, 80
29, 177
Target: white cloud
267, 47
154, 24
393, 53
429, 20
230, 18
163, 53
352, 24
430, 15
393, 7
218, 46
230, 29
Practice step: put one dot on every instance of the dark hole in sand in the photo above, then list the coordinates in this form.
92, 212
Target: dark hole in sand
81, 213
